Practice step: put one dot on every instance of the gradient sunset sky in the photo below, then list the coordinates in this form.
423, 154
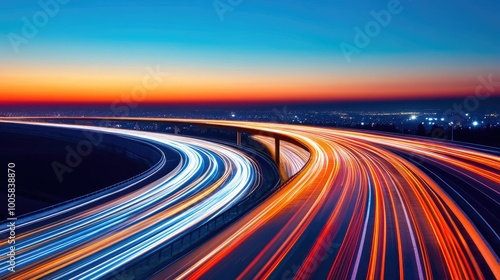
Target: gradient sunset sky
98, 51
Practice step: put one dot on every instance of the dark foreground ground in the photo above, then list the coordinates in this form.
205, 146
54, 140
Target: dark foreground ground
35, 151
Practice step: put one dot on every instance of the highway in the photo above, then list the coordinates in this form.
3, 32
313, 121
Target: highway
360, 210
364, 205
94, 242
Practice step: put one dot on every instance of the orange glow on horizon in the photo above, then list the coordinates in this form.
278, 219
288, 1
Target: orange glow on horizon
99, 86
187, 94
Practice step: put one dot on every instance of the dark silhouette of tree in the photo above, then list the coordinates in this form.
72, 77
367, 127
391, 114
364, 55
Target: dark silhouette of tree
421, 130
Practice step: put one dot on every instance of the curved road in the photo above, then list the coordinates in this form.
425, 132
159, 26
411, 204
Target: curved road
364, 206
94, 242
358, 210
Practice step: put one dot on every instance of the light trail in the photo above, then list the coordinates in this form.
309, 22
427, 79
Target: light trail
209, 179
384, 216
364, 206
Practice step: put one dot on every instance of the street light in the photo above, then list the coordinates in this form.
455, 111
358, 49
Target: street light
451, 124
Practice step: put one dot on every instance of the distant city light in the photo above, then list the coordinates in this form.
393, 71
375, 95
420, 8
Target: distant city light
475, 123
362, 123
413, 117
442, 119
467, 114
233, 115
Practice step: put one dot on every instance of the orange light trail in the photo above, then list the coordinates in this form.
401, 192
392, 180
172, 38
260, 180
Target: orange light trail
359, 207
423, 227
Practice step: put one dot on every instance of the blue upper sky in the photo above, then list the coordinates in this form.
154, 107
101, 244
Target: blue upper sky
279, 35
469, 27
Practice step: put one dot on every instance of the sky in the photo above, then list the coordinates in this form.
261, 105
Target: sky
68, 51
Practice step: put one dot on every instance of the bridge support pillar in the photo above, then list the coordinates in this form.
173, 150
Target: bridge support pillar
238, 138
277, 150
176, 130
